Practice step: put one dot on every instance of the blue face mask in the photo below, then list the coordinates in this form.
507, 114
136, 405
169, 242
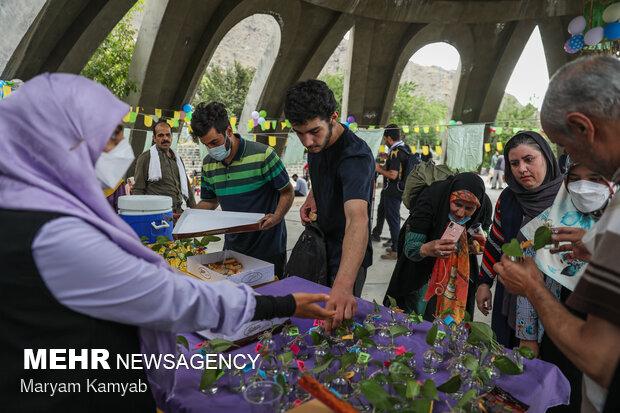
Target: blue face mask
219, 153
463, 221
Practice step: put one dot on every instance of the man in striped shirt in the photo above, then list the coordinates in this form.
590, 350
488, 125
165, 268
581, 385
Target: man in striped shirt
244, 176
581, 112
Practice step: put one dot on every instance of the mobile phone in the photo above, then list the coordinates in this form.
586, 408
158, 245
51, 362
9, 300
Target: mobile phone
453, 232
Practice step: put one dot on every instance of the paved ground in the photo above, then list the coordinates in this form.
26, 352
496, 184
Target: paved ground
380, 272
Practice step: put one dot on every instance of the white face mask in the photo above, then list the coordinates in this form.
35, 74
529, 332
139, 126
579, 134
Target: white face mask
111, 166
588, 196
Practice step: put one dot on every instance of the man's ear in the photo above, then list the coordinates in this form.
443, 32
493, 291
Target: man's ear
581, 127
335, 116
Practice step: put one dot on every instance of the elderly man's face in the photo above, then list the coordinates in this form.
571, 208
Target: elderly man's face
593, 142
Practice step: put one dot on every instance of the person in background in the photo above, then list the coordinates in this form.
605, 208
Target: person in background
342, 171
76, 275
497, 180
244, 176
375, 234
442, 274
391, 195
581, 112
301, 186
533, 179
159, 171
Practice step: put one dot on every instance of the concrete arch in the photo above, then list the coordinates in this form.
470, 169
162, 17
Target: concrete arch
457, 36
63, 36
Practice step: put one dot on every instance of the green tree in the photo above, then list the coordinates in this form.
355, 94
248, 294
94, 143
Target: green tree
226, 85
335, 82
412, 110
512, 114
109, 65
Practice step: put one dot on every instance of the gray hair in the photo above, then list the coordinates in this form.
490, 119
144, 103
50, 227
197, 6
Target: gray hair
589, 85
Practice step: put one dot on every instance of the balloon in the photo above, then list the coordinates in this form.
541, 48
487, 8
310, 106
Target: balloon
188, 116
577, 25
263, 113
459, 123
612, 31
351, 119
353, 126
452, 122
576, 43
255, 115
187, 108
568, 49
347, 124
261, 120
612, 13
593, 36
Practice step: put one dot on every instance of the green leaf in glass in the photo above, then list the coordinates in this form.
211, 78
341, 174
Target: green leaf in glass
507, 366
452, 385
431, 336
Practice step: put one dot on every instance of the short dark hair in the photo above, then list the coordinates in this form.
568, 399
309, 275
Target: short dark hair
207, 116
159, 122
295, 176
393, 131
307, 100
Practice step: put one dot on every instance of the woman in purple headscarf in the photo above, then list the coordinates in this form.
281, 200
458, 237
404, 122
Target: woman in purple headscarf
75, 276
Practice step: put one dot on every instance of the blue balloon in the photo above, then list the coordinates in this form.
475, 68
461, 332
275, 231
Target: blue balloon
612, 31
576, 42
187, 108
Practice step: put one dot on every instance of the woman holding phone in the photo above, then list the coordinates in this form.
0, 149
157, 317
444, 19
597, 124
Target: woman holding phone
433, 273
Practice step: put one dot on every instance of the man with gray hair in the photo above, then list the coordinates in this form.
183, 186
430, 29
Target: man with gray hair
581, 112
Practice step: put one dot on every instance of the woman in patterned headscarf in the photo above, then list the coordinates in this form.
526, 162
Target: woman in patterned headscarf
434, 274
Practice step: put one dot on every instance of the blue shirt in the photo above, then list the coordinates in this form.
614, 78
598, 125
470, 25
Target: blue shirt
339, 173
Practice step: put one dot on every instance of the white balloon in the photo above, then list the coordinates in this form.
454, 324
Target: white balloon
255, 115
612, 13
261, 120
577, 25
593, 36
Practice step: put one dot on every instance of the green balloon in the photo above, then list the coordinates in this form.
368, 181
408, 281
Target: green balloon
452, 122
188, 116
263, 113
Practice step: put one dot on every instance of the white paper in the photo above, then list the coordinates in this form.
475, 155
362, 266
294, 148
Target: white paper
561, 214
255, 271
204, 220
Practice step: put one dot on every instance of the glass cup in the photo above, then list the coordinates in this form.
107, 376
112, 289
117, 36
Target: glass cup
264, 397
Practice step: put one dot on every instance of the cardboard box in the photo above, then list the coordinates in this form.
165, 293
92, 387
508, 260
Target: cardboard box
254, 272
200, 222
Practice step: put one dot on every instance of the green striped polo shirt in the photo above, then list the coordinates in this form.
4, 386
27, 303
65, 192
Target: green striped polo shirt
251, 183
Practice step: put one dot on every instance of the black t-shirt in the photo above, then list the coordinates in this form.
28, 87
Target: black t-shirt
396, 161
342, 172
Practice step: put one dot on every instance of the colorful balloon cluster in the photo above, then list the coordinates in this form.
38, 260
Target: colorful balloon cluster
610, 31
188, 109
258, 117
351, 122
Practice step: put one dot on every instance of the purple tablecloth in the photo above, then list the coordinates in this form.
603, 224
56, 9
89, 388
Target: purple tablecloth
541, 386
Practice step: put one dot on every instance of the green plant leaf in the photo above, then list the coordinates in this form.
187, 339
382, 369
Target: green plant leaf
542, 237
324, 366
527, 353
218, 345
162, 240
209, 238
431, 336
399, 371
429, 390
286, 358
414, 318
209, 377
377, 308
397, 330
281, 380
392, 301
467, 317
360, 332
480, 333
413, 389
316, 338
452, 385
470, 362
467, 397
182, 341
421, 406
507, 366
347, 359
376, 395
513, 249
368, 342
370, 328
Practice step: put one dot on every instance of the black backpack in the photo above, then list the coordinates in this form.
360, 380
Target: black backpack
309, 256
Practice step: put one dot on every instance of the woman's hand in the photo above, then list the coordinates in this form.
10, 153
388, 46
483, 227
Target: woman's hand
484, 299
438, 248
306, 307
532, 345
576, 246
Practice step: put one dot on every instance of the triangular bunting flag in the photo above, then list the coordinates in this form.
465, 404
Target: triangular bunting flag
272, 140
413, 148
274, 124
500, 146
126, 117
233, 121
133, 116
426, 129
425, 150
158, 113
6, 90
416, 129
405, 129
282, 125
148, 121
487, 147
177, 114
438, 150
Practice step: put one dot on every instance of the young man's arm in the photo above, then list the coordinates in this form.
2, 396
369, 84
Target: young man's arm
208, 204
140, 176
354, 246
287, 196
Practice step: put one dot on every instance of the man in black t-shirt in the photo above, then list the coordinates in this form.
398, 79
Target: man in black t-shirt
393, 172
342, 173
